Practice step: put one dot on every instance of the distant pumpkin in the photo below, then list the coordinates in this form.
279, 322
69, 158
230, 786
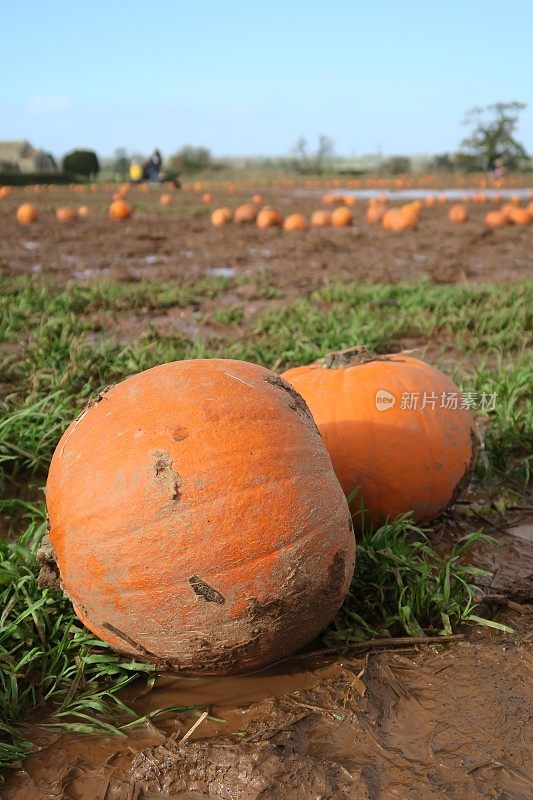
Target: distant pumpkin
495, 219
84, 211
207, 198
295, 222
320, 218
341, 217
120, 210
26, 214
374, 213
165, 199
519, 215
245, 214
65, 214
221, 217
394, 428
458, 213
269, 217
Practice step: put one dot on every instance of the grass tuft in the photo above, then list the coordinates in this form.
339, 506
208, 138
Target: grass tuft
48, 660
403, 586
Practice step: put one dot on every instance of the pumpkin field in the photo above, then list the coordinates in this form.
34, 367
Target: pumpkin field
213, 400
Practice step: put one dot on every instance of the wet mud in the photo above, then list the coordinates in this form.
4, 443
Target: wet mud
179, 243
446, 722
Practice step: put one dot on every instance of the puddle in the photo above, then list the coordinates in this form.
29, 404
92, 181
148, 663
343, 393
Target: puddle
222, 272
510, 563
30, 245
88, 273
155, 259
421, 194
442, 723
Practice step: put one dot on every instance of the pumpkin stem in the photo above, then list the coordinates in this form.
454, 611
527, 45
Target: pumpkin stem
351, 357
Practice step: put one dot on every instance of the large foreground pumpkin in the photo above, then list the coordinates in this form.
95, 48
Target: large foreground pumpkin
197, 520
400, 457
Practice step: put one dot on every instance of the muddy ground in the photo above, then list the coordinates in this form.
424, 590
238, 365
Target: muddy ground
437, 721
179, 242
440, 721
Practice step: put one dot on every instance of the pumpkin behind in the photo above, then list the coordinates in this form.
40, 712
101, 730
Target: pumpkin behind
401, 459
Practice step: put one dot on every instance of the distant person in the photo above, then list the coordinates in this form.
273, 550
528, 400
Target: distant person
152, 167
136, 171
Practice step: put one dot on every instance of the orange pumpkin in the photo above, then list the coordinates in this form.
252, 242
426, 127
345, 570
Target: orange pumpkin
518, 215
495, 219
65, 214
320, 218
295, 222
374, 213
165, 199
5, 191
220, 217
349, 200
184, 518
26, 214
119, 209
257, 199
84, 211
207, 198
329, 199
399, 219
401, 458
269, 217
458, 213
341, 217
246, 213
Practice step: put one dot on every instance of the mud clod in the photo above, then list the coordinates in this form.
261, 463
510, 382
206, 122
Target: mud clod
49, 577
165, 474
202, 589
275, 768
295, 400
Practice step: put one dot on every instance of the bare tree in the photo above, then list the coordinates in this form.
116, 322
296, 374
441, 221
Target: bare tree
304, 161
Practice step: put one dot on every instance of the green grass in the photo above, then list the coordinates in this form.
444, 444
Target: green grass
402, 586
57, 349
48, 659
60, 348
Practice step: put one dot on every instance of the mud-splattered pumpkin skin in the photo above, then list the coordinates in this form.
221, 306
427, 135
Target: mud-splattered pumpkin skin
400, 459
196, 518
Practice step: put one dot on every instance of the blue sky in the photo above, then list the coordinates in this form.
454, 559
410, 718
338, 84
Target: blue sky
251, 77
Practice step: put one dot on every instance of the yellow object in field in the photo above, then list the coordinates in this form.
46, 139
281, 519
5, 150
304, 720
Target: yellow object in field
136, 172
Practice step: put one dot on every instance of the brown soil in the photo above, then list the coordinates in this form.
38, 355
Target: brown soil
179, 242
435, 722
442, 722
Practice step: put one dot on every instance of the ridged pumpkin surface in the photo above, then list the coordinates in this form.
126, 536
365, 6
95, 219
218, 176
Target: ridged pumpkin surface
402, 459
197, 520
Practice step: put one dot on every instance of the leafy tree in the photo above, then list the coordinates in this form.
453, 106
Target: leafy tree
121, 162
493, 139
191, 159
81, 162
442, 162
397, 165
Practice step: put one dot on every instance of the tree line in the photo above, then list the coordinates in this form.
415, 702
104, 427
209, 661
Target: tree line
491, 142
